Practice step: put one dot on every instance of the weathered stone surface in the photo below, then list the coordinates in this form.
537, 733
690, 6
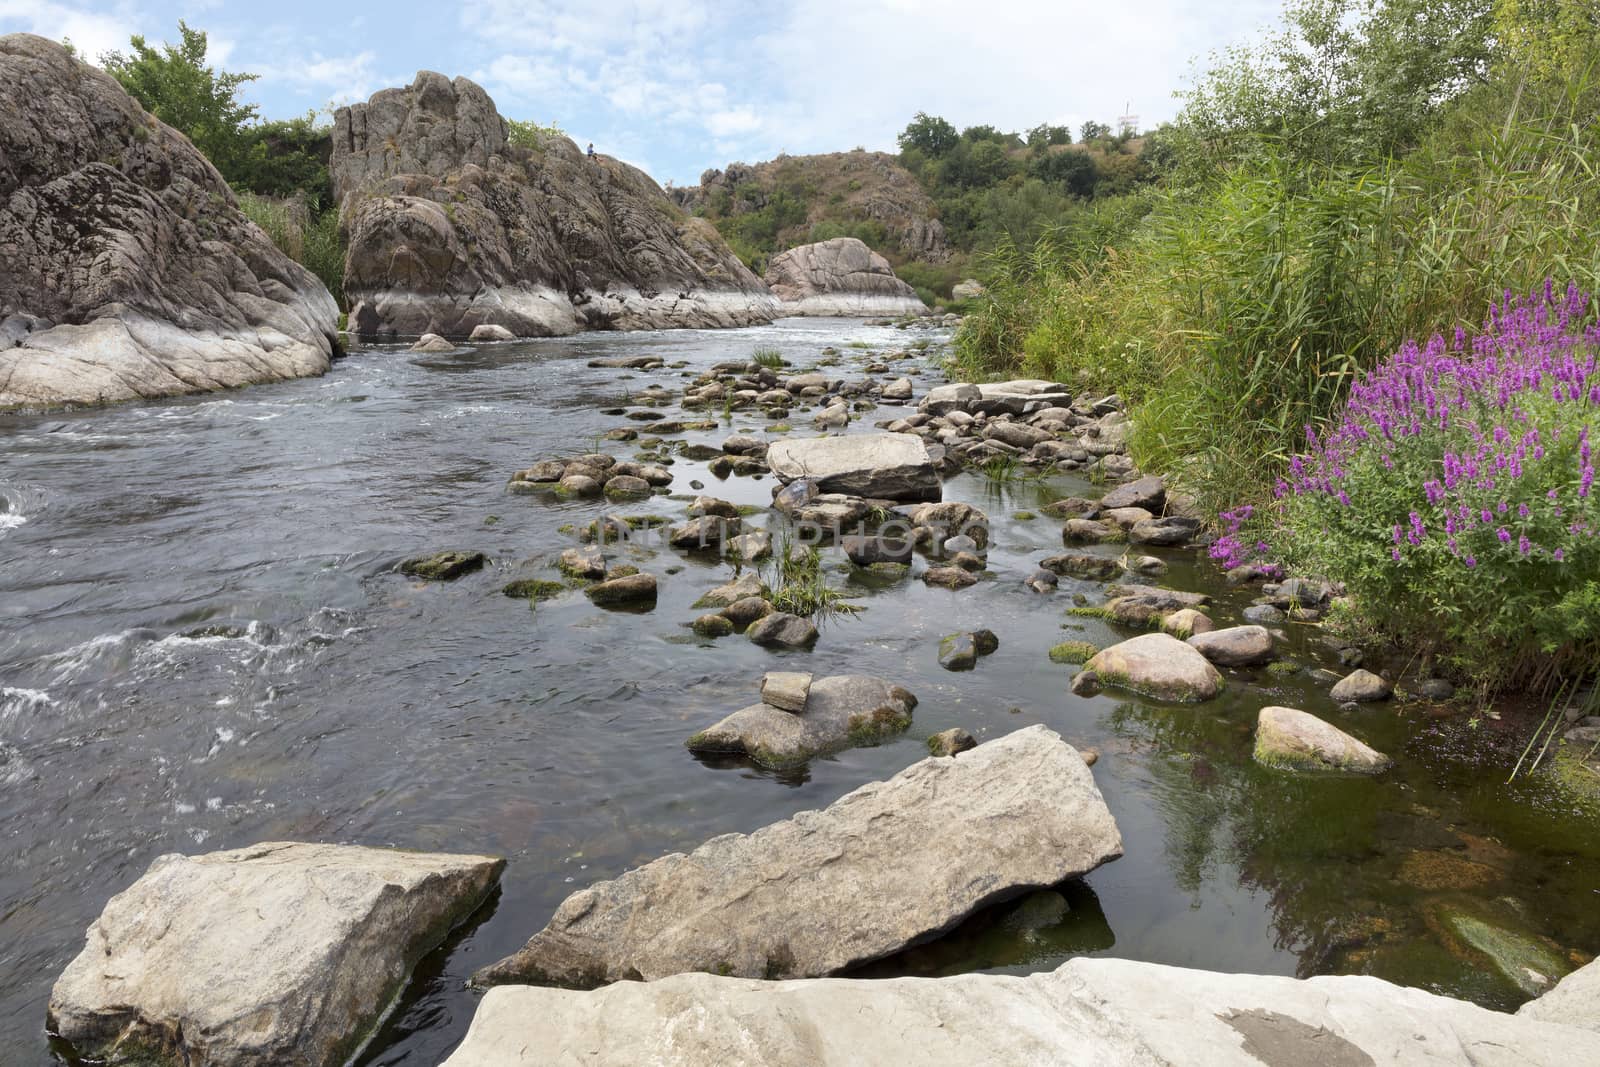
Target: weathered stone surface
277, 954
629, 589
452, 227
951, 577
1235, 646
951, 742
489, 331
839, 711
839, 277
1575, 1001
1149, 492
1362, 687
1083, 566
1186, 622
995, 398
746, 610
713, 625
884, 466
1100, 1012
127, 270
587, 562
1293, 739
1167, 530
788, 690
879, 869
782, 630
1154, 665
443, 566
432, 342
1088, 532
748, 584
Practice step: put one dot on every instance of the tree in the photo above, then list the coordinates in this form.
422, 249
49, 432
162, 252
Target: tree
1093, 131
930, 135
176, 85
1070, 168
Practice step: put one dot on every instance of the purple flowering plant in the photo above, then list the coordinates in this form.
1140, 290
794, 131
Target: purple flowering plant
1455, 498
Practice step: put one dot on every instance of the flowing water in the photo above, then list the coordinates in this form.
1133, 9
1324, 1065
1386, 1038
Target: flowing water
204, 644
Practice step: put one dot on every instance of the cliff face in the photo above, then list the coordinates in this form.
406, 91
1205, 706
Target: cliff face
842, 187
840, 277
128, 269
451, 227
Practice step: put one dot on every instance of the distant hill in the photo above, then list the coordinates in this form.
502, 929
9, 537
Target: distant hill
793, 200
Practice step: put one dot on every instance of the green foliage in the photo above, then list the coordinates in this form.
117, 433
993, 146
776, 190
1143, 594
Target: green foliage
800, 587
525, 133
767, 357
307, 236
175, 84
929, 135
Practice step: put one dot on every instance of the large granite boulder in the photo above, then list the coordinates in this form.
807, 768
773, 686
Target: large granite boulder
127, 269
1153, 665
881, 466
452, 227
277, 954
1117, 1013
839, 277
881, 868
838, 712
1296, 740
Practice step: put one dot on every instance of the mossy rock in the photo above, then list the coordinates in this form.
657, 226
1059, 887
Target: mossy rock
1024, 516
1528, 961
712, 626
1283, 668
443, 566
534, 589
1073, 652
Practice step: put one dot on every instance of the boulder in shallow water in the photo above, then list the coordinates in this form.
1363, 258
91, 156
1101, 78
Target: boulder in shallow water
951, 742
1296, 740
627, 590
837, 712
881, 868
443, 566
1153, 665
882, 466
432, 342
1234, 646
280, 953
1363, 687
782, 630
1111, 1012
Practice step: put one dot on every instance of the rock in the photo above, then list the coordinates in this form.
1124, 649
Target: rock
748, 584
712, 626
710, 505
951, 742
866, 550
1295, 740
628, 362
1186, 622
951, 518
1235, 646
1016, 434
840, 277
884, 466
706, 532
1125, 519
443, 566
1529, 962
751, 545
533, 589
1079, 565
280, 953
796, 495
958, 652
1149, 493
881, 868
1088, 532
995, 398
787, 690
579, 485
1305, 593
1042, 581
839, 711
1073, 652
899, 389
782, 630
1437, 690
954, 546
451, 227
1362, 687
489, 331
630, 589
968, 289
948, 577
547, 470
1574, 1001
1153, 665
1149, 566
967, 561
432, 342
746, 610
129, 270
1147, 608
587, 563
1169, 530
626, 487
1100, 1011
1264, 613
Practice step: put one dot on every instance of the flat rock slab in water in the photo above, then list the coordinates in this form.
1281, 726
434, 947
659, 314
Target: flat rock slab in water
1116, 1013
837, 712
881, 868
888, 466
280, 953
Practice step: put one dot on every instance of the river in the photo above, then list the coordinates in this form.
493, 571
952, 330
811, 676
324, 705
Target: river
204, 644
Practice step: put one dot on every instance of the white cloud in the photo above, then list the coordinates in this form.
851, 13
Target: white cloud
92, 32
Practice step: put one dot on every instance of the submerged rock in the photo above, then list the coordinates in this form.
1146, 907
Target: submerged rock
837, 712
1153, 665
1295, 740
883, 466
280, 953
881, 868
1521, 957
443, 566
1117, 1013
129, 270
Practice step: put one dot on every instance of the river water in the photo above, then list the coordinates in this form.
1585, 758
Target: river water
204, 644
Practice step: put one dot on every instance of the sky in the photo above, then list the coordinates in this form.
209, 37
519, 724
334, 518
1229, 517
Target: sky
677, 86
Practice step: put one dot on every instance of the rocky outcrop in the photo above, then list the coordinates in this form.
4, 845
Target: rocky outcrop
451, 227
128, 269
260, 957
1118, 1013
839, 277
881, 868
883, 466
845, 188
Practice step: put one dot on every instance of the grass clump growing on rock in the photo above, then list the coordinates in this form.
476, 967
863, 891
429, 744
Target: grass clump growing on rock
1073, 652
767, 357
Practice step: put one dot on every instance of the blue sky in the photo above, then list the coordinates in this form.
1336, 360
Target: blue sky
676, 86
